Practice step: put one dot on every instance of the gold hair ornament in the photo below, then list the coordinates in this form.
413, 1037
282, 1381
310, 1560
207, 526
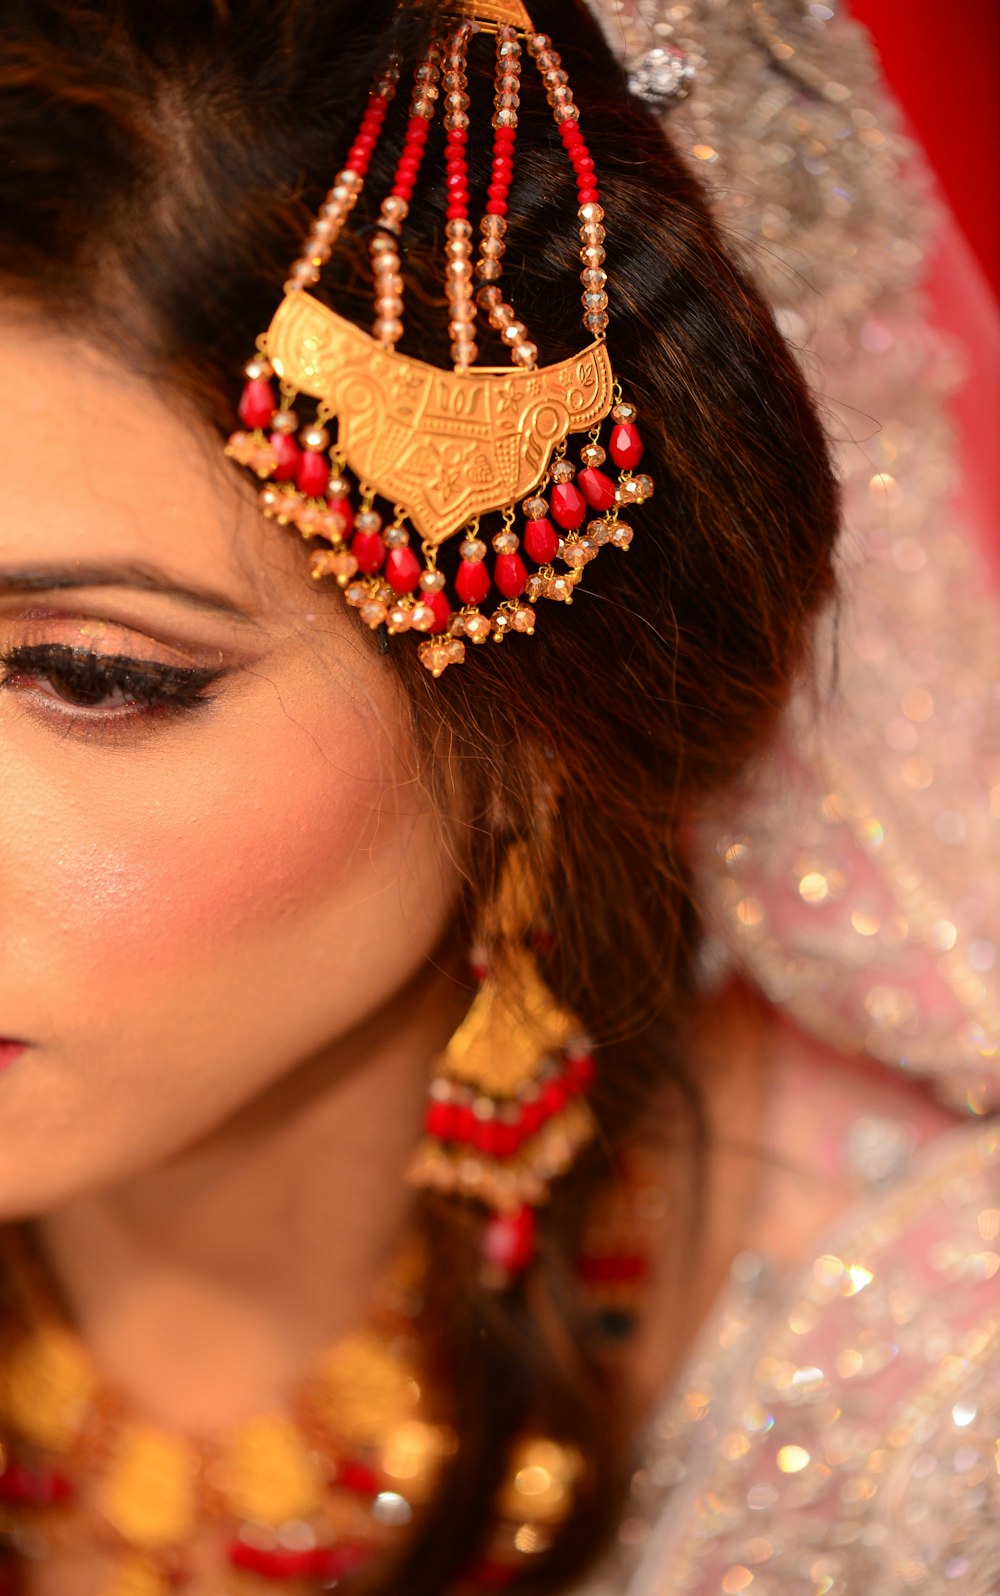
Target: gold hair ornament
445, 448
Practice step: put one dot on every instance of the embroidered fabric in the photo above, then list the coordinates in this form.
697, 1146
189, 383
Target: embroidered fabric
835, 1429
857, 879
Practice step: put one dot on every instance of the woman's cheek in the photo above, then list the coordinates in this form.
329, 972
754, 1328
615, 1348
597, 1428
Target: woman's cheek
241, 837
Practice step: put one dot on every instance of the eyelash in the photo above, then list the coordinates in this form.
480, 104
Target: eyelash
151, 691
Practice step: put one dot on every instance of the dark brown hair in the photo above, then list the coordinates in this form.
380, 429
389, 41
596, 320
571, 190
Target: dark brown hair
159, 165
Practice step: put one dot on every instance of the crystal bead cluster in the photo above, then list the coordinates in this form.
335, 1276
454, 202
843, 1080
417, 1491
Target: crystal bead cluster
371, 545
383, 577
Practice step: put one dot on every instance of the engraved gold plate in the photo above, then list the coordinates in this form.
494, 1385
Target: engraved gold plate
491, 13
448, 445
508, 1027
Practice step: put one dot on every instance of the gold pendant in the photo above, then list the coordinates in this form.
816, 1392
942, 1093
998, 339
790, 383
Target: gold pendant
148, 1494
48, 1387
268, 1474
449, 445
361, 1392
510, 1028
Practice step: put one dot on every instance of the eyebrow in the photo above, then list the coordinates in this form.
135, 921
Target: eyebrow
147, 578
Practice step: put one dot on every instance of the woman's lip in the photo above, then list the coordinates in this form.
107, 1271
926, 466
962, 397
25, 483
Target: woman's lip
10, 1051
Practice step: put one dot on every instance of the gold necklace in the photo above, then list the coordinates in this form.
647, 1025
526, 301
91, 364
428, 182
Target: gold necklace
298, 1498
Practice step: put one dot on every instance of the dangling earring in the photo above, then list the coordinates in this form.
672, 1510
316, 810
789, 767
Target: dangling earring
507, 1111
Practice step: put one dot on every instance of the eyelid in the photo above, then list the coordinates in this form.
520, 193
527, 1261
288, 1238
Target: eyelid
128, 636
151, 693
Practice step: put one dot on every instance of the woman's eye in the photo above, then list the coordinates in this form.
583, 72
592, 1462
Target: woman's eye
104, 686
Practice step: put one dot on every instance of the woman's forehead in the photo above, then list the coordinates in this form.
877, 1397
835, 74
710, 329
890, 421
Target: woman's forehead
108, 474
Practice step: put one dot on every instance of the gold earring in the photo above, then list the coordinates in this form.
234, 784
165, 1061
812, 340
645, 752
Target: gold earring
507, 1112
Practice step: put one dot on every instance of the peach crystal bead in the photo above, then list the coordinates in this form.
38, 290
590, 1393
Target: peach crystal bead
339, 563
422, 617
437, 655
398, 618
478, 628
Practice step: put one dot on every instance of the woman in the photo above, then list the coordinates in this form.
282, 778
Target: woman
252, 844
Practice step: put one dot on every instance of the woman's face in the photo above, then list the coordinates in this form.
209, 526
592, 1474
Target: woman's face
215, 856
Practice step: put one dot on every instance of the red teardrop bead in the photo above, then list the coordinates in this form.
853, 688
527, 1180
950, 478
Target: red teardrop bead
531, 1118
597, 489
369, 551
483, 1140
464, 1128
345, 508
275, 1562
36, 1487
509, 1240
402, 569
568, 505
541, 541
581, 1070
442, 611
472, 582
626, 447
506, 1139
257, 402
439, 1120
313, 474
358, 1477
510, 575
286, 452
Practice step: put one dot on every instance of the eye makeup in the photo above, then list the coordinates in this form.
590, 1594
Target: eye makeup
98, 690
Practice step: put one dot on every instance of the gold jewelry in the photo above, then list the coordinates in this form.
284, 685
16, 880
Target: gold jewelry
507, 1111
444, 449
299, 1497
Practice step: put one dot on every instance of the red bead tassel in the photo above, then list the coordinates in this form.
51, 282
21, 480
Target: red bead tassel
560, 97
458, 232
388, 325
343, 195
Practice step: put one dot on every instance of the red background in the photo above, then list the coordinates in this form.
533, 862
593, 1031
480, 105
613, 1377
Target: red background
942, 61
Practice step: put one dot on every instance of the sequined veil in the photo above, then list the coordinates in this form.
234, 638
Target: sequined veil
835, 1428
859, 880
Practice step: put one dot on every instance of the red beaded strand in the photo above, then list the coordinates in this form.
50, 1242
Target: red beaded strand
346, 188
386, 580
388, 324
501, 316
593, 277
458, 231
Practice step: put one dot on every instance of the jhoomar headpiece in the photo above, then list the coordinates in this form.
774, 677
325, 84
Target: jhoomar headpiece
443, 448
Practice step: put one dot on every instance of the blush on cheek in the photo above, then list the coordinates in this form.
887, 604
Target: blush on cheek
214, 857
